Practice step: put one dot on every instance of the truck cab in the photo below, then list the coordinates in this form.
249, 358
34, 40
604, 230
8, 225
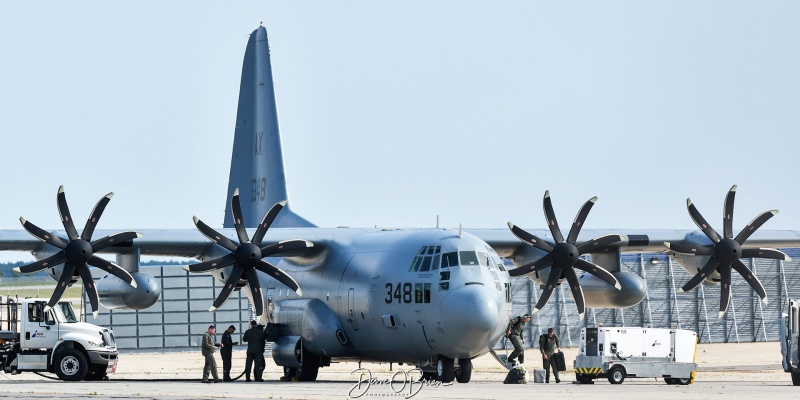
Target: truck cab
790, 327
35, 338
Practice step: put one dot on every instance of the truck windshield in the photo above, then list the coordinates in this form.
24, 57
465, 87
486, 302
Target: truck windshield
65, 312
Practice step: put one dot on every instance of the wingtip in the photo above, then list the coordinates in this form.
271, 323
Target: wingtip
196, 220
666, 244
139, 234
688, 202
134, 284
299, 292
774, 212
110, 195
186, 268
47, 308
235, 192
95, 314
535, 310
679, 290
61, 189
733, 188
580, 316
721, 313
510, 225
546, 194
593, 199
212, 309
309, 244
283, 203
765, 300
16, 269
787, 258
618, 286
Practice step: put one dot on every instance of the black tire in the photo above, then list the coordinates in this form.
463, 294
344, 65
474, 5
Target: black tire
70, 365
97, 373
616, 375
796, 378
683, 381
445, 369
429, 376
464, 371
582, 378
310, 369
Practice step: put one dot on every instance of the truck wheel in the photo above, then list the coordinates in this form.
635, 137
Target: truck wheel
464, 371
616, 375
583, 378
683, 381
70, 365
796, 378
445, 368
97, 374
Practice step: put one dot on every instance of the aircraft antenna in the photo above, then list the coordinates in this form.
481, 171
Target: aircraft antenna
437, 221
460, 230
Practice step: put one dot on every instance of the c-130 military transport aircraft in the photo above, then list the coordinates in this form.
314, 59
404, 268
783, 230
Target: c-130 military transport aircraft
431, 297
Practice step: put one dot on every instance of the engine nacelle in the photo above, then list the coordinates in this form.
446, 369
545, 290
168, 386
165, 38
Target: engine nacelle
316, 323
599, 294
118, 295
286, 351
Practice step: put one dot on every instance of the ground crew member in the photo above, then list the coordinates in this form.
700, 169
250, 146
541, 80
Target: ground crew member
548, 345
226, 351
254, 337
514, 334
208, 346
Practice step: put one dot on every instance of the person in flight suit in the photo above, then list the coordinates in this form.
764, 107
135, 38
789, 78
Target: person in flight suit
226, 351
255, 338
514, 334
548, 345
207, 347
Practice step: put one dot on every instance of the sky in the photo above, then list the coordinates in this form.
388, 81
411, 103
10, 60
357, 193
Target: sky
392, 113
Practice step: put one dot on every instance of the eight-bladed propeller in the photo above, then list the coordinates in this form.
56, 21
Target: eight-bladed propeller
246, 256
564, 256
726, 251
77, 252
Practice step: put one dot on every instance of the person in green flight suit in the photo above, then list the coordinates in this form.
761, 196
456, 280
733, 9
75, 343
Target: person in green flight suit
255, 338
226, 351
208, 347
548, 345
514, 334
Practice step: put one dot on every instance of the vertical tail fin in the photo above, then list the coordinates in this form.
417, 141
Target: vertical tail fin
257, 160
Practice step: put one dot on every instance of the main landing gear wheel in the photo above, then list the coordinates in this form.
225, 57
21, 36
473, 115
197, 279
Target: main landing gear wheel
445, 368
464, 371
796, 378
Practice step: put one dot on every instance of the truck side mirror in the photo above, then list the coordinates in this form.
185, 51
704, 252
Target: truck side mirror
35, 312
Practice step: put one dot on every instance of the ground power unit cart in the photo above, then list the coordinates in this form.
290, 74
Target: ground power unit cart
617, 353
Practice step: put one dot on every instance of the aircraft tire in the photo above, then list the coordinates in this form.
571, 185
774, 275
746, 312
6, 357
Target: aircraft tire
795, 378
445, 369
464, 371
310, 368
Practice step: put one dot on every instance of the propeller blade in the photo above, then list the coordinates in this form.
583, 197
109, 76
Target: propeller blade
230, 284
535, 266
727, 217
238, 222
600, 243
116, 238
751, 279
725, 289
765, 253
598, 271
215, 236
577, 291
580, 219
63, 283
255, 289
287, 248
688, 248
209, 265
48, 262
42, 234
754, 225
528, 238
94, 217
279, 275
707, 269
552, 282
91, 290
701, 222
63, 211
113, 269
267, 222
550, 215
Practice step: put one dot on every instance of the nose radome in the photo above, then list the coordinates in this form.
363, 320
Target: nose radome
471, 309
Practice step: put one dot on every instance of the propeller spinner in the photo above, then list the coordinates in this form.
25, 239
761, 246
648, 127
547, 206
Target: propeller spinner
564, 256
77, 252
246, 256
726, 251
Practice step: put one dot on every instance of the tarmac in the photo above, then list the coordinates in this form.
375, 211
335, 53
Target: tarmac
725, 371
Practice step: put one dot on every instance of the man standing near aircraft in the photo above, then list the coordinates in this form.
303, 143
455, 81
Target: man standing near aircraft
208, 346
514, 334
226, 351
548, 345
254, 337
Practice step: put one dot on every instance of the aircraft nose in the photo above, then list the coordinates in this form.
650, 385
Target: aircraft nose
472, 310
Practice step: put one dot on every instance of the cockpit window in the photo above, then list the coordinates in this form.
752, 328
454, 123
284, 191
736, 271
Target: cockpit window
427, 259
468, 258
426, 264
423, 250
415, 264
449, 260
483, 258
